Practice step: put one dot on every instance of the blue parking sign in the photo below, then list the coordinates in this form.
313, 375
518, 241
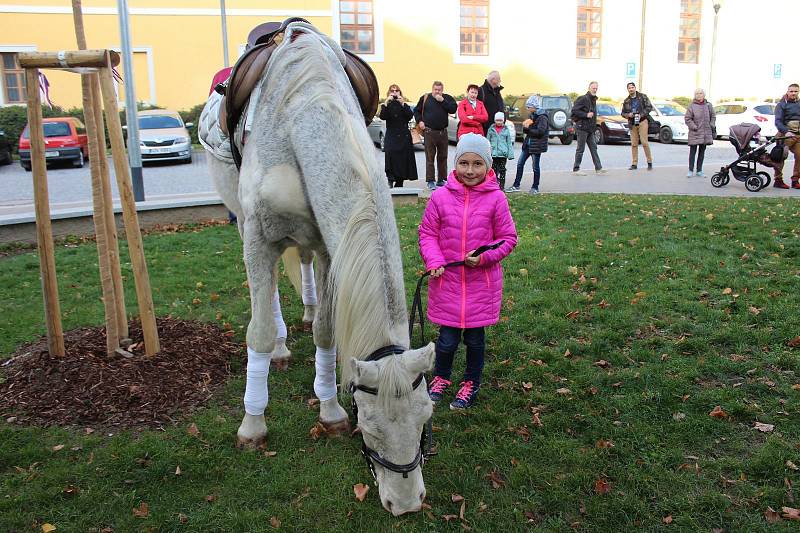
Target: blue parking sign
777, 71
630, 70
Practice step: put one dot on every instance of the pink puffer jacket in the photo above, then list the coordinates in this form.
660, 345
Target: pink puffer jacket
459, 219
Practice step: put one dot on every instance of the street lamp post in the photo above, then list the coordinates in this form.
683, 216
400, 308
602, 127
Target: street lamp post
713, 51
224, 34
641, 46
134, 153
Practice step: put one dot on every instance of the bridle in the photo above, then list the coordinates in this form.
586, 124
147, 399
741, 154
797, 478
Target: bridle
426, 440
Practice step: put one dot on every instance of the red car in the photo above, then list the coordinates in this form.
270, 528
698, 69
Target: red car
64, 140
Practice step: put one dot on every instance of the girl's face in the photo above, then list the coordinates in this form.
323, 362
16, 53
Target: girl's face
499, 122
471, 169
473, 93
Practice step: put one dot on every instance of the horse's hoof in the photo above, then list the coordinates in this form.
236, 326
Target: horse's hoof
281, 363
337, 428
244, 443
308, 326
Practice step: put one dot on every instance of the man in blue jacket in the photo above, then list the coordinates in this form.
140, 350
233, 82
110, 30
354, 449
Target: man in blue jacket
787, 120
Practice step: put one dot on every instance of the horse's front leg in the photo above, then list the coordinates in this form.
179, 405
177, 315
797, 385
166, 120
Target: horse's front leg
260, 257
331, 415
309, 287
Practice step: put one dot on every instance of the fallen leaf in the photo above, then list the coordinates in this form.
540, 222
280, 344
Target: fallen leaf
527, 385
727, 290
455, 498
461, 511
772, 516
58, 447
793, 343
71, 490
192, 430
572, 314
796, 386
177, 470
316, 431
311, 402
667, 519
791, 465
274, 522
196, 301
602, 363
448, 517
710, 216
573, 270
764, 428
182, 518
211, 498
88, 431
603, 304
603, 444
360, 491
567, 354
270, 454
679, 416
563, 391
143, 511
593, 390
537, 421
754, 310
47, 528
602, 486
717, 412
482, 507
496, 479
790, 513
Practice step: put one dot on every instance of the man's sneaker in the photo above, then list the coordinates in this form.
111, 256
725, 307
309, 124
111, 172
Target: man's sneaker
779, 184
512, 189
465, 396
440, 183
601, 171
690, 174
649, 166
437, 388
632, 167
533, 190
431, 186
578, 172
795, 184
700, 174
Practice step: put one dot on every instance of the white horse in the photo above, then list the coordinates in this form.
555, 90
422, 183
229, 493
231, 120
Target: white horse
309, 178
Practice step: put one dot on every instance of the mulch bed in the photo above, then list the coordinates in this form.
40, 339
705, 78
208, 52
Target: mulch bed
87, 387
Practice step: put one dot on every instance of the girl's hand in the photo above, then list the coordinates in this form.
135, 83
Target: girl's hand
472, 261
436, 272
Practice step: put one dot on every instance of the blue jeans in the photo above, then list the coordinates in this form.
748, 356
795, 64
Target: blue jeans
447, 344
537, 173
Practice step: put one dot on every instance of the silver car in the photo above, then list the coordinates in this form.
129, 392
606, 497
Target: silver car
377, 130
452, 129
164, 137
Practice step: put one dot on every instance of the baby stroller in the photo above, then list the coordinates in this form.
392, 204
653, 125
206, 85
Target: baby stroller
745, 138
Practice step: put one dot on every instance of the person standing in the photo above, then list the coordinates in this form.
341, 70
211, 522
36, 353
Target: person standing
431, 115
636, 108
535, 128
502, 141
469, 212
398, 149
787, 120
584, 113
700, 120
471, 113
489, 94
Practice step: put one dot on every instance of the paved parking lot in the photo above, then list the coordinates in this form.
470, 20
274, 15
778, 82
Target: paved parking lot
73, 186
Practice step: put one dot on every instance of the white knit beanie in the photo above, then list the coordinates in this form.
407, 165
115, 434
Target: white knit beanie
500, 116
476, 144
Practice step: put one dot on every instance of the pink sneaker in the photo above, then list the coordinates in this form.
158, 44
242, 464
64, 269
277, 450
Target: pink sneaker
465, 396
438, 386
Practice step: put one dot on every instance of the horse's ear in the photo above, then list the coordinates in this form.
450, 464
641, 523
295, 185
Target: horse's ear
421, 359
365, 373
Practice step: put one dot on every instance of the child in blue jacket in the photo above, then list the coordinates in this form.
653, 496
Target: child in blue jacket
502, 141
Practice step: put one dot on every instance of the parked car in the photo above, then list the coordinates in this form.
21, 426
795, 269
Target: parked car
670, 115
452, 128
5, 149
377, 129
559, 109
733, 113
163, 136
64, 140
613, 127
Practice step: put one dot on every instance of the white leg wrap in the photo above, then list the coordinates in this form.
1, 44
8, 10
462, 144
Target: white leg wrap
309, 284
256, 392
280, 325
325, 380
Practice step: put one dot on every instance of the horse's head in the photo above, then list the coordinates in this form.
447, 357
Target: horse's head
391, 414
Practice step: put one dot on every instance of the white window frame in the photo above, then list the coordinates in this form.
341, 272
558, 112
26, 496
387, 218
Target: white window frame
455, 37
377, 21
14, 49
151, 74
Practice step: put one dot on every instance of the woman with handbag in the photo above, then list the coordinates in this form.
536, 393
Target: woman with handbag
400, 163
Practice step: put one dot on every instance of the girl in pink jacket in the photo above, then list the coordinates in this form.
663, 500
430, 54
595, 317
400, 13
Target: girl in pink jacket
470, 211
471, 113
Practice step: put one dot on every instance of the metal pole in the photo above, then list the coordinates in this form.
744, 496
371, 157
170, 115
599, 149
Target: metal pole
713, 54
224, 34
134, 154
641, 46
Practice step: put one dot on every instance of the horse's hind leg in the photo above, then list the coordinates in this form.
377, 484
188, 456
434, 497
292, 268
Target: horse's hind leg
280, 353
331, 414
260, 258
309, 288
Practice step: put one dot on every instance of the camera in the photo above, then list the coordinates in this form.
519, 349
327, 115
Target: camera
636, 119
395, 97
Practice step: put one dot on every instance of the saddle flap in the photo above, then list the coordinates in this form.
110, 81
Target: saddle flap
364, 83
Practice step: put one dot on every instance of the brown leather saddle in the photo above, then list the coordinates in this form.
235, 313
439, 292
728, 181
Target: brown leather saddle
248, 70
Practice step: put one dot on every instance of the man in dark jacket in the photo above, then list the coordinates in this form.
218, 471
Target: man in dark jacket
584, 113
787, 120
431, 115
636, 108
489, 94
535, 128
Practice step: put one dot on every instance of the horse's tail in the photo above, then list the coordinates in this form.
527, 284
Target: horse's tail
291, 267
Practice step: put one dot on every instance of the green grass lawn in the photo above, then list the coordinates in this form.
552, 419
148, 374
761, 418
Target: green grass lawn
627, 320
